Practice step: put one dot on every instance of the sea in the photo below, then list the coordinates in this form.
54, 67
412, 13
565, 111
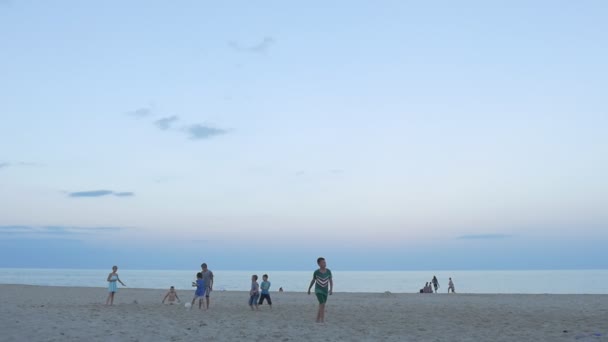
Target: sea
512, 282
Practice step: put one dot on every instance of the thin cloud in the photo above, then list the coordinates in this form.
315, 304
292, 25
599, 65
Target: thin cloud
193, 131
484, 237
141, 112
99, 193
202, 132
18, 164
55, 230
260, 47
165, 123
124, 194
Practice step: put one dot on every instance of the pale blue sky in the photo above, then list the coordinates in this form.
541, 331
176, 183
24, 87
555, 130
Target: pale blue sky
429, 135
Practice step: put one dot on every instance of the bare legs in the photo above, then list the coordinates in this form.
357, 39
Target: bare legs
321, 314
200, 303
110, 300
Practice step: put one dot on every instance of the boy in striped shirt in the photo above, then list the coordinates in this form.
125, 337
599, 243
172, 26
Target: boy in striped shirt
324, 286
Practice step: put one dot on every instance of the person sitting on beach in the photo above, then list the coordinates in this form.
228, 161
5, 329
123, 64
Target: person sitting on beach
265, 287
171, 296
451, 286
254, 293
200, 290
112, 287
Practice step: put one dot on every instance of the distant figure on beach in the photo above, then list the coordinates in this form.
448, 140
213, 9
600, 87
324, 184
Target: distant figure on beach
112, 287
435, 283
280, 289
254, 292
265, 287
451, 286
208, 279
324, 286
426, 288
171, 296
200, 290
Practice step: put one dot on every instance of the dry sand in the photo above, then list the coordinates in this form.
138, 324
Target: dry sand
33, 313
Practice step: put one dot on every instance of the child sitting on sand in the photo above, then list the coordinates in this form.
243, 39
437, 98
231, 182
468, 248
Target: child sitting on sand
254, 293
172, 296
200, 290
112, 287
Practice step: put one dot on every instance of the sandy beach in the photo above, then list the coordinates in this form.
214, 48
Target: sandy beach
35, 313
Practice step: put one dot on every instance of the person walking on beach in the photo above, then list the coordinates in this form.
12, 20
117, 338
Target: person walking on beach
208, 279
171, 296
200, 290
265, 287
112, 287
324, 286
451, 286
254, 293
435, 283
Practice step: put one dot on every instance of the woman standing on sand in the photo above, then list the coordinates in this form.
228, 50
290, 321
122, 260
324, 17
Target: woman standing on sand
435, 283
112, 287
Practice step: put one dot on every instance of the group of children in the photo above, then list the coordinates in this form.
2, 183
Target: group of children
434, 283
259, 291
322, 279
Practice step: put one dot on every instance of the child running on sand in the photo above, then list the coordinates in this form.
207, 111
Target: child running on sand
265, 286
254, 293
324, 286
200, 290
171, 296
112, 287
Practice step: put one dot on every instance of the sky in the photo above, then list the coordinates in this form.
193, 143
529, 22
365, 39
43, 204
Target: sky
381, 135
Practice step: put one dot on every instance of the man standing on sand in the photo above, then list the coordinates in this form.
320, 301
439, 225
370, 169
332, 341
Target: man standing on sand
208, 279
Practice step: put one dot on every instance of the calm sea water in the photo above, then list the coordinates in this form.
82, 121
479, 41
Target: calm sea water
553, 281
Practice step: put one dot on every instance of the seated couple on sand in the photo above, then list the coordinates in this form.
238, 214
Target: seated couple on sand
428, 288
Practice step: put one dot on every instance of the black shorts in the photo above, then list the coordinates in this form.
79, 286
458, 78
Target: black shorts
267, 297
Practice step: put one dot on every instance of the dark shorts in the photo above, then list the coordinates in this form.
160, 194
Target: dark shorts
267, 297
321, 297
